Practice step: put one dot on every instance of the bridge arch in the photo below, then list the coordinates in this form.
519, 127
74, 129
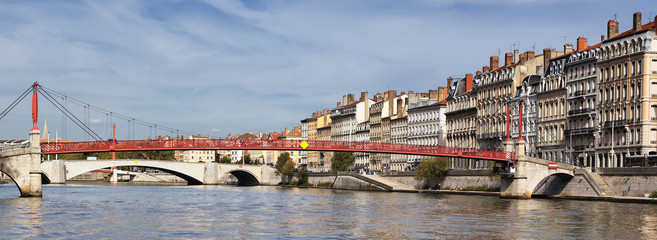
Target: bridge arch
192, 173
552, 184
244, 177
12, 179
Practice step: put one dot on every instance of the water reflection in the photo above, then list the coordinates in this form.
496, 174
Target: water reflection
23, 217
130, 211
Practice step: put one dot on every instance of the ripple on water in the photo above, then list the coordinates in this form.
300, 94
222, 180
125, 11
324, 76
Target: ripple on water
123, 211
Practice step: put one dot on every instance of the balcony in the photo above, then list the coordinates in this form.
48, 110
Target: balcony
579, 93
580, 111
616, 123
491, 135
579, 131
580, 147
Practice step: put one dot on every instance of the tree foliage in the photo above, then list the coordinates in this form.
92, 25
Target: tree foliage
432, 168
342, 161
280, 162
247, 159
225, 159
288, 169
302, 176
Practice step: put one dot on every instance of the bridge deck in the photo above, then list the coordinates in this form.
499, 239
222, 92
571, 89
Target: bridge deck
289, 145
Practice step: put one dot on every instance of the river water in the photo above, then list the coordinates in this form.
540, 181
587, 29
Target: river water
129, 211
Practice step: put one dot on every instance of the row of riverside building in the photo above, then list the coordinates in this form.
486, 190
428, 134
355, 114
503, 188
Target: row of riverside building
594, 105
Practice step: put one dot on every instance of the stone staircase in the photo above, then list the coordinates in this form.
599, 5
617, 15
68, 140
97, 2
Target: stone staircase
396, 186
604, 189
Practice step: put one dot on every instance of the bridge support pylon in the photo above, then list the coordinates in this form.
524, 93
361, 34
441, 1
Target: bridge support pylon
530, 173
35, 165
23, 165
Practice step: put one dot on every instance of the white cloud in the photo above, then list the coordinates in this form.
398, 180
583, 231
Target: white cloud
238, 68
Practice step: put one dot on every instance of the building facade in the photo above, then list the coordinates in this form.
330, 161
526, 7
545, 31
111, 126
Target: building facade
627, 94
581, 82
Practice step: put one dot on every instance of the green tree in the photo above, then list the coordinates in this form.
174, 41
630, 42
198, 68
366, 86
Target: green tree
431, 169
288, 169
342, 161
280, 162
225, 159
247, 159
302, 176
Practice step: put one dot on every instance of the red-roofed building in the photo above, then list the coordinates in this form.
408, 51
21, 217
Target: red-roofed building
426, 125
495, 86
627, 94
581, 119
460, 116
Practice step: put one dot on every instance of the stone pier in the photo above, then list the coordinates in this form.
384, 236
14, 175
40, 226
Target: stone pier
23, 166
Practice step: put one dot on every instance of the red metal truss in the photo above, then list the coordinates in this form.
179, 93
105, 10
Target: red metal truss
291, 145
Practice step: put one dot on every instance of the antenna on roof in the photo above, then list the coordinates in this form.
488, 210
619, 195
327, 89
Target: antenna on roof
499, 51
534, 47
564, 39
649, 18
615, 18
586, 34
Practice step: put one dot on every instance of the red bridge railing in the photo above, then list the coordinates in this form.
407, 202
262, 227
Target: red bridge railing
293, 145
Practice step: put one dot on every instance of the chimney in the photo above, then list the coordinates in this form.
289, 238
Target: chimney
515, 56
494, 62
612, 29
442, 93
567, 48
468, 82
445, 93
485, 69
508, 59
364, 96
523, 57
392, 93
344, 100
602, 37
338, 105
385, 95
350, 98
391, 105
530, 54
296, 129
449, 82
547, 55
581, 43
287, 130
319, 113
327, 111
399, 107
378, 97
478, 73
433, 94
637, 22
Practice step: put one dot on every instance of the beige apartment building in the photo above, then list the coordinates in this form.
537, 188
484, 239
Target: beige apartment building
551, 101
627, 95
495, 87
461, 118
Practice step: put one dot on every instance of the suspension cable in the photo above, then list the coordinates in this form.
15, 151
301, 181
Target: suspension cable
15, 102
120, 116
70, 115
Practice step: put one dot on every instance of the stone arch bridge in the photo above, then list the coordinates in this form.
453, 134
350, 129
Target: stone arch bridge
58, 171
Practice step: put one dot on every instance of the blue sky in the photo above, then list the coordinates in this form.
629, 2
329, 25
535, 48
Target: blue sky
219, 67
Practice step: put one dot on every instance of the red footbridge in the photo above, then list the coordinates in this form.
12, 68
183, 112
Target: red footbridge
286, 145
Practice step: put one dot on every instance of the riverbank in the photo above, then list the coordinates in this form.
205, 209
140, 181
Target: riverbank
580, 187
